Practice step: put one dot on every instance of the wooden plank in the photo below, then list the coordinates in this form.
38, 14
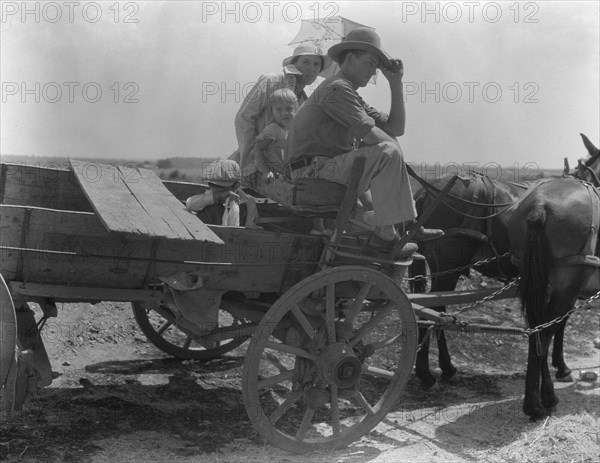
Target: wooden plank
63, 293
457, 297
134, 201
161, 205
42, 187
74, 248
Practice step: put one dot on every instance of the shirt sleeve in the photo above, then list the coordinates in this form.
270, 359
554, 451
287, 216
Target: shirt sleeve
246, 119
199, 202
380, 118
271, 132
342, 103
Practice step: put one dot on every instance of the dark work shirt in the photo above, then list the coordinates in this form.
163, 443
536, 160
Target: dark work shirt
330, 120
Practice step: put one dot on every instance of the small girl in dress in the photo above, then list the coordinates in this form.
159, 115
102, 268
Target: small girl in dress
266, 158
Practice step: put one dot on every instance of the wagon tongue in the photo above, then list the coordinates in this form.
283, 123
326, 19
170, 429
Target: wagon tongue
134, 201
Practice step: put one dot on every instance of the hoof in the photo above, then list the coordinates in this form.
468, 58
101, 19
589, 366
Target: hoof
536, 413
550, 404
564, 379
450, 376
430, 388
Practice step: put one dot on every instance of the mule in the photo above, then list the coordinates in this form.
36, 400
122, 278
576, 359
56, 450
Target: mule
475, 221
469, 239
553, 237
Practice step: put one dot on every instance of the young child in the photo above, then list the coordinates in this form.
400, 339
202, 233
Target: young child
223, 178
266, 158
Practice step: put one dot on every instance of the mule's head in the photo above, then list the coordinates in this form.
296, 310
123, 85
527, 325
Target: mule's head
589, 170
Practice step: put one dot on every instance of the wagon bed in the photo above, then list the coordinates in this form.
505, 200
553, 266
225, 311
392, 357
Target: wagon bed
333, 335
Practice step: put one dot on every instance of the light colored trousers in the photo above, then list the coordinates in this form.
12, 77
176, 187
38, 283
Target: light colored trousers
384, 174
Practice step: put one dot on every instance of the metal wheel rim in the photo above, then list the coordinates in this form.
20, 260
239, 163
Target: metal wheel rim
191, 351
370, 418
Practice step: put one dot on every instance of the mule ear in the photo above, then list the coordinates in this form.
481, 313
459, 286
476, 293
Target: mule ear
566, 168
589, 145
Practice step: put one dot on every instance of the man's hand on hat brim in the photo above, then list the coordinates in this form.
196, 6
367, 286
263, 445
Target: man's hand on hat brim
395, 72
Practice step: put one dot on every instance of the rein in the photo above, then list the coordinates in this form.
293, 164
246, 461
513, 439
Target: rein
435, 190
588, 169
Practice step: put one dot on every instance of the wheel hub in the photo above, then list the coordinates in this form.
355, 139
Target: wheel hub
338, 365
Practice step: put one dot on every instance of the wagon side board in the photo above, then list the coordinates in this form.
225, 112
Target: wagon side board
47, 246
55, 188
58, 188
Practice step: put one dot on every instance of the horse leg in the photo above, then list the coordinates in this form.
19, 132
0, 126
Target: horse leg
563, 373
532, 405
565, 290
549, 398
564, 295
422, 362
449, 371
428, 381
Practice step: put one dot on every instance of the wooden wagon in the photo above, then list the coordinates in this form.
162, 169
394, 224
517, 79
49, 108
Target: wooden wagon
333, 336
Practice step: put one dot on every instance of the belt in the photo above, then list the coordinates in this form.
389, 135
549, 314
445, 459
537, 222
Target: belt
300, 163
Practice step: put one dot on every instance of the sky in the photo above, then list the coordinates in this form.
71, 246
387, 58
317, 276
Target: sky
486, 83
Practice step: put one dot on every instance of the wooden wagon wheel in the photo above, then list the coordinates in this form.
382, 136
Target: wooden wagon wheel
329, 360
8, 325
161, 330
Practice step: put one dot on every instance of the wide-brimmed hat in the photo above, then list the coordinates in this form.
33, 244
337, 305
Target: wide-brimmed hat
361, 38
223, 172
309, 49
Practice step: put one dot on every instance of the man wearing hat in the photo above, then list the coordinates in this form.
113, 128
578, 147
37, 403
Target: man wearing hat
335, 120
299, 70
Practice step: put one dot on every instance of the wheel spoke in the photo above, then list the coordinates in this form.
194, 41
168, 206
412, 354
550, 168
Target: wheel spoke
290, 350
273, 360
379, 372
163, 327
368, 326
306, 421
335, 410
388, 342
364, 404
285, 406
303, 406
287, 375
308, 328
358, 303
330, 312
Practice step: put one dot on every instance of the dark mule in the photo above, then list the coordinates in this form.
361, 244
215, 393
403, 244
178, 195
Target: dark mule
473, 231
554, 238
469, 239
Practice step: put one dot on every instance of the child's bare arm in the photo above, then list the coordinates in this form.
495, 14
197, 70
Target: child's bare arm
259, 155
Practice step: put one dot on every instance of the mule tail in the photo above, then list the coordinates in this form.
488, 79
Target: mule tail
535, 267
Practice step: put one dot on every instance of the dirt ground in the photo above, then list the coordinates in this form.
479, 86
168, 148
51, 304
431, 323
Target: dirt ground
117, 398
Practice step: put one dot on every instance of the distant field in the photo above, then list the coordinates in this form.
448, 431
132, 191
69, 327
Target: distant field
192, 169
184, 169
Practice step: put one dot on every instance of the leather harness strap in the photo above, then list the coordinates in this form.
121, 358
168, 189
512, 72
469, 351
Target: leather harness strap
590, 255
